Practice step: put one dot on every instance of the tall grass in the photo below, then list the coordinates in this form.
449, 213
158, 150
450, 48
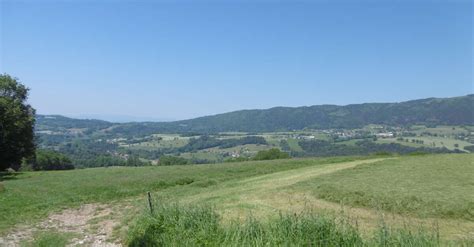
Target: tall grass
178, 225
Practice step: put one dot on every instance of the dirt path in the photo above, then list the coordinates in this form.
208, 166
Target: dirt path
89, 225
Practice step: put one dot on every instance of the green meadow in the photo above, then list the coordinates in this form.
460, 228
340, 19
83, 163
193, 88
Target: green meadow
32, 195
423, 200
422, 186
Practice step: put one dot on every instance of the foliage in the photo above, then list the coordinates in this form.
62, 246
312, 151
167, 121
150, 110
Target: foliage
364, 147
271, 154
228, 143
134, 160
470, 148
167, 160
93, 153
431, 111
17, 119
103, 161
206, 141
51, 160
57, 122
285, 146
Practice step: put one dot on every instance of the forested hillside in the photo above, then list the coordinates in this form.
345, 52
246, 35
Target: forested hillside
432, 111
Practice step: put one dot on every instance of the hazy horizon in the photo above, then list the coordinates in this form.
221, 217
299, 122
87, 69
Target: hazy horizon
173, 61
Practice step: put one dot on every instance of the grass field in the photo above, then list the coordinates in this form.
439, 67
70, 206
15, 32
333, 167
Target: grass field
415, 190
167, 142
422, 186
441, 130
32, 195
218, 154
428, 141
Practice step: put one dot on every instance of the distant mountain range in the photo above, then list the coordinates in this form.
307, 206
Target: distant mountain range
431, 111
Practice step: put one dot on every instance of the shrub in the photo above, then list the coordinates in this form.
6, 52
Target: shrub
271, 154
166, 160
51, 160
383, 153
469, 148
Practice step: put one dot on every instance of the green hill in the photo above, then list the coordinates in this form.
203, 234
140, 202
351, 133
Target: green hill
431, 111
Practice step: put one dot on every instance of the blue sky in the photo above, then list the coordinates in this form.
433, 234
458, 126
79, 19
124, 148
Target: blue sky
183, 59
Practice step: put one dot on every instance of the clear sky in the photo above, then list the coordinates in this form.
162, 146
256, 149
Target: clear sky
182, 59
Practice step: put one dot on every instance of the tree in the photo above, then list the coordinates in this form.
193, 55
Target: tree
167, 160
271, 154
51, 160
17, 120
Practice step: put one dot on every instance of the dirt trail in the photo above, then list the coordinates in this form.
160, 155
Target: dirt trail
90, 225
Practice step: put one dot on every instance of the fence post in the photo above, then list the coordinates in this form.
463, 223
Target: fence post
150, 204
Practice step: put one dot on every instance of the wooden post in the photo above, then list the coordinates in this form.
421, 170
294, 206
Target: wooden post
150, 204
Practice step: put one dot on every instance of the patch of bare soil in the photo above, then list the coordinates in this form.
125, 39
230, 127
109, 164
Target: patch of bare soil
90, 224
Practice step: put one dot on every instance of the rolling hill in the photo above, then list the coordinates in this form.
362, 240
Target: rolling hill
431, 111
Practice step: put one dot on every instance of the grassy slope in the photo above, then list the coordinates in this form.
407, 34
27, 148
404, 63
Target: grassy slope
435, 186
288, 191
439, 142
263, 188
441, 130
32, 195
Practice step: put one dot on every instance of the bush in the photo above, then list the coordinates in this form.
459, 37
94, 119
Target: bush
134, 160
51, 160
469, 148
166, 160
271, 154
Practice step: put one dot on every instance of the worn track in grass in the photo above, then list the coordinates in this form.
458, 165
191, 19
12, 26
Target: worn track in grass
268, 194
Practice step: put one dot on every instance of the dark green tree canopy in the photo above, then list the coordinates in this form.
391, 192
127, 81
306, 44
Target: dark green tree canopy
51, 160
17, 119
